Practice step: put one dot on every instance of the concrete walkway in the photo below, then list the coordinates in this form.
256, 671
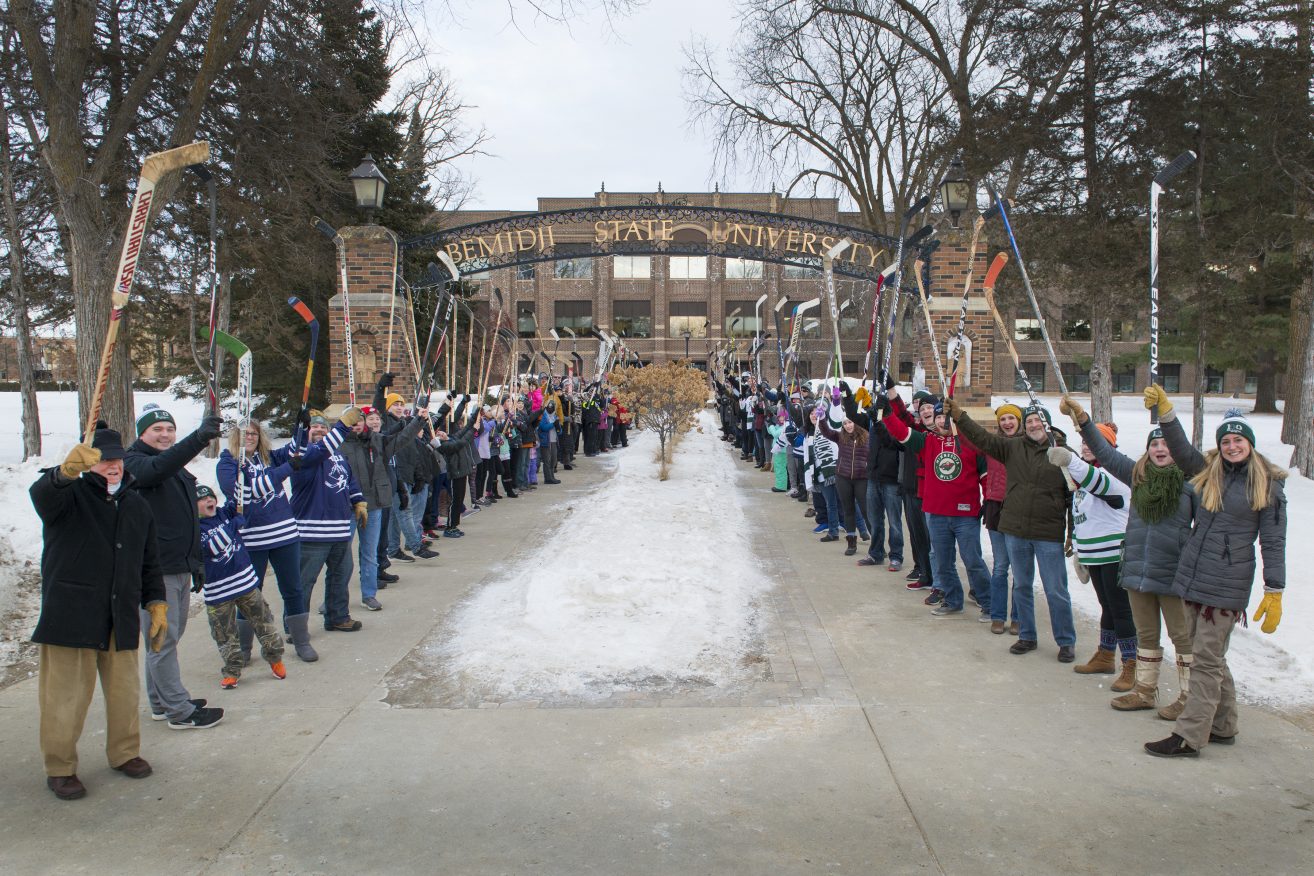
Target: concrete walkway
876, 740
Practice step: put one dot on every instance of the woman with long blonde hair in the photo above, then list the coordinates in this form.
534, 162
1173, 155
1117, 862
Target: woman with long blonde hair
1241, 499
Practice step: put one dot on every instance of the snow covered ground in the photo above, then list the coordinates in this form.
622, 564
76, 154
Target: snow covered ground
642, 583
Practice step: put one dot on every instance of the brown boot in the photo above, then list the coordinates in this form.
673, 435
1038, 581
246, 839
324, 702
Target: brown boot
1127, 679
1102, 664
1146, 689
1171, 711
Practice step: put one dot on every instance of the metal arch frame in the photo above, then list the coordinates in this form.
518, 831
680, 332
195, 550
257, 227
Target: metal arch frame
587, 216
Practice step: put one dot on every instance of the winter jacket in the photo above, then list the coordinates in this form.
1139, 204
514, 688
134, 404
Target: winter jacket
852, 451
323, 495
1099, 514
228, 569
368, 452
270, 522
883, 452
99, 561
910, 464
454, 449
996, 482
547, 429
1036, 504
1151, 551
1217, 567
953, 470
170, 490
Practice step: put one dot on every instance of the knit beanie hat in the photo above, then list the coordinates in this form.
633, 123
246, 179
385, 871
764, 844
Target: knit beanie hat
1037, 409
1235, 423
152, 414
317, 418
204, 492
1156, 432
1008, 408
391, 399
921, 396
1110, 433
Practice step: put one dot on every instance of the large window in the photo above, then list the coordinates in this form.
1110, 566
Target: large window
1035, 373
1252, 383
1213, 380
747, 323
574, 315
811, 327
628, 267
688, 267
743, 269
1076, 330
809, 271
1026, 330
632, 319
524, 272
690, 316
573, 269
1125, 330
525, 318
1076, 377
1171, 377
1125, 380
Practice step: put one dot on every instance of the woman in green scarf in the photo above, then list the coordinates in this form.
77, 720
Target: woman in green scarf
1159, 525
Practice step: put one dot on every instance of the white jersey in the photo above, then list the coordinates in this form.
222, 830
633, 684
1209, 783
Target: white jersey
1099, 513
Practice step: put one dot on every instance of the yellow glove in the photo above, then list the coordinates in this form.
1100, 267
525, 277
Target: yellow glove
1270, 609
81, 458
1073, 409
350, 417
159, 624
1155, 397
362, 513
862, 397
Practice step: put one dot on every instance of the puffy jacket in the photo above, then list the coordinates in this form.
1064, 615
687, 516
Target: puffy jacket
852, 447
996, 482
368, 452
1151, 551
99, 561
1036, 504
170, 490
455, 451
1217, 567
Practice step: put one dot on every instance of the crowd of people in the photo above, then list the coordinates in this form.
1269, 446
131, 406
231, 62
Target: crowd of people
1166, 538
129, 536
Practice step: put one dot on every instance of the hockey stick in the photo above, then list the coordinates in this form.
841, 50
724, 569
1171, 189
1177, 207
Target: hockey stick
909, 243
796, 330
305, 313
780, 338
340, 246
242, 353
873, 329
153, 170
828, 269
962, 312
918, 265
1161, 179
204, 175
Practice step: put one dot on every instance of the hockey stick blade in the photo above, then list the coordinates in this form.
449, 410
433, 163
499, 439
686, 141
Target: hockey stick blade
922, 233
324, 228
1174, 167
782, 303
158, 164
996, 267
449, 265
916, 208
302, 310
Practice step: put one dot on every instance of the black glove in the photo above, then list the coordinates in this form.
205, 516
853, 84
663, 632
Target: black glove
303, 418
198, 582
403, 496
845, 390
422, 401
883, 405
386, 380
211, 428
889, 381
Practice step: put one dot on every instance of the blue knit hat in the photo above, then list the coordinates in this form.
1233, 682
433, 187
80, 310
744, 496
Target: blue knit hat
1235, 423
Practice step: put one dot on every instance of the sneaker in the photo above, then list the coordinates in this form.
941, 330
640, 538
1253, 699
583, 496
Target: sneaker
200, 719
433, 533
821, 527
917, 584
402, 556
452, 533
386, 578
371, 603
915, 574
161, 716
279, 670
228, 682
425, 554
474, 509
894, 566
346, 626
943, 610
1173, 746
868, 561
829, 536
935, 597
984, 616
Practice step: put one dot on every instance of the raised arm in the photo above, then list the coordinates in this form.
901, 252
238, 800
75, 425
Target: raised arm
987, 442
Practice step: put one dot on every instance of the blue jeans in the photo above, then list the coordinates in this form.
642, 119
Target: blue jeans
999, 578
401, 523
368, 553
1024, 554
965, 532
413, 518
884, 501
522, 468
286, 561
831, 497
315, 555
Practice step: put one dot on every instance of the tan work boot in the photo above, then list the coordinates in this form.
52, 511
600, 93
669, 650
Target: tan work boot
1127, 679
1171, 711
1102, 664
1146, 689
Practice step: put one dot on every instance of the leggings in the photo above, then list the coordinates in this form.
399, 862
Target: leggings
458, 499
846, 488
286, 561
484, 478
1115, 609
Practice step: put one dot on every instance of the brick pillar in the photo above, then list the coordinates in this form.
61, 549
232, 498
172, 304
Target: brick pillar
949, 269
371, 250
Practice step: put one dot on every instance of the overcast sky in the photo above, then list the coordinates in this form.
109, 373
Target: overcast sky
570, 108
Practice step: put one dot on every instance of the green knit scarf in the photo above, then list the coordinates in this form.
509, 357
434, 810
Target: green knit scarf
1155, 498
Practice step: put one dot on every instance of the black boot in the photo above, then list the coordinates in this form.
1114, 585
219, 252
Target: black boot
852, 545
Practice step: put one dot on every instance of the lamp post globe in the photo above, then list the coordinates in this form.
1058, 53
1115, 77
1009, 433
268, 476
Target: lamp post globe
369, 184
956, 190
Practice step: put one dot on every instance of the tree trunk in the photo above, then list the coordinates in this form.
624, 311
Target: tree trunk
1197, 397
1101, 370
1266, 383
1296, 412
18, 294
91, 273
1303, 362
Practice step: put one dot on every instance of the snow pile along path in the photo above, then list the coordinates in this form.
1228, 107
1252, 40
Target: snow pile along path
641, 583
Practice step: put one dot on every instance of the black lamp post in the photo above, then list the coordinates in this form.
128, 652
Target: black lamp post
370, 184
687, 335
956, 190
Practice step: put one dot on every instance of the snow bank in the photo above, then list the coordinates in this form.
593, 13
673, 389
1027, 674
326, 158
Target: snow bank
640, 583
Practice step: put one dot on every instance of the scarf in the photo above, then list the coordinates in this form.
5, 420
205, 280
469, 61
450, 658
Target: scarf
1155, 498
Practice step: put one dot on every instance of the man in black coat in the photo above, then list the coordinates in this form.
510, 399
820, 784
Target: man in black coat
156, 461
99, 565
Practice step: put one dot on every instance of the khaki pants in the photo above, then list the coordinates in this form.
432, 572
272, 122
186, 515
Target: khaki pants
66, 682
1211, 702
1147, 609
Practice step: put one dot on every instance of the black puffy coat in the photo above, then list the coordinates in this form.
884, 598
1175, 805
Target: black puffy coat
163, 481
455, 451
99, 562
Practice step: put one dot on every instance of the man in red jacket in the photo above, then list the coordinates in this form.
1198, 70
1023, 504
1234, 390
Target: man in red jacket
952, 472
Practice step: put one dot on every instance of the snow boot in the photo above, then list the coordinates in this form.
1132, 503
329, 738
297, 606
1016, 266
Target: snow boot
297, 623
1146, 690
246, 636
1101, 664
1171, 711
852, 547
1126, 680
